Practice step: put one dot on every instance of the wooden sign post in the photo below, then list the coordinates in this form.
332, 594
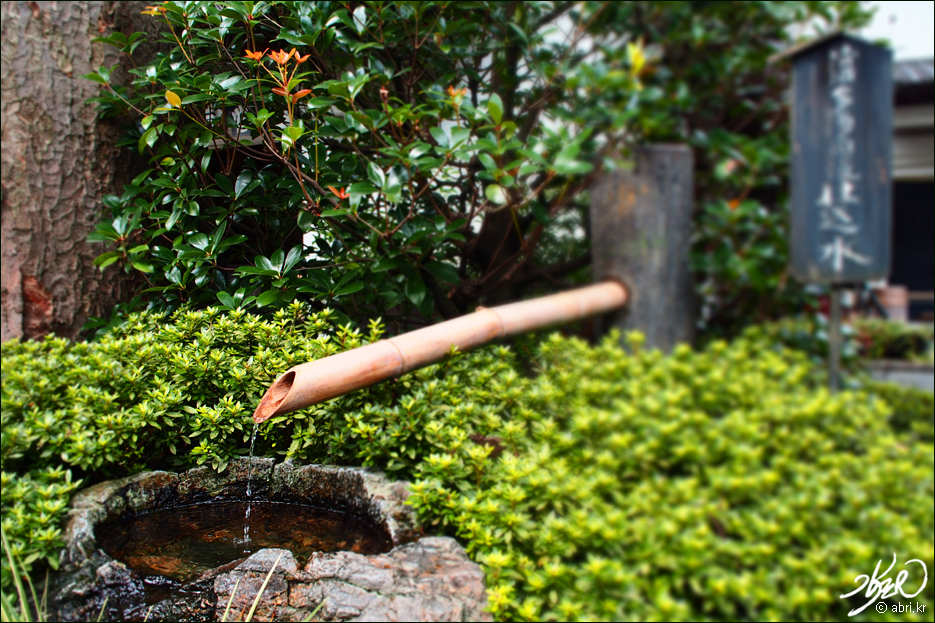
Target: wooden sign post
842, 129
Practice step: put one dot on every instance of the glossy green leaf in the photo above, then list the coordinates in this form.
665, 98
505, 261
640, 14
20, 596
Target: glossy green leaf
226, 300
350, 288
278, 259
495, 108
442, 271
306, 220
106, 259
268, 298
173, 218
495, 194
487, 161
415, 290
148, 139
387, 264
440, 137
376, 175
335, 212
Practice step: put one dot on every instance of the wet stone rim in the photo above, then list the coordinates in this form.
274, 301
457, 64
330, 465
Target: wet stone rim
419, 579
363, 492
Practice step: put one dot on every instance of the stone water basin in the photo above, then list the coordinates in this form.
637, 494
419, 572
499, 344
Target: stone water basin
161, 545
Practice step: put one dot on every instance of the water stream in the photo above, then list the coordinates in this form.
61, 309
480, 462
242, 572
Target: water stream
246, 523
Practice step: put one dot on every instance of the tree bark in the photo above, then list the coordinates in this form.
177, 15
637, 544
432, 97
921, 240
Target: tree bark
58, 160
641, 223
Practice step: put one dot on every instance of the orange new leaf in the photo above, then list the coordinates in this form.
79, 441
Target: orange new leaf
300, 95
280, 57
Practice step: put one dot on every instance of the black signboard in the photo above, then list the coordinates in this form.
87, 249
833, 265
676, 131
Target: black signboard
842, 128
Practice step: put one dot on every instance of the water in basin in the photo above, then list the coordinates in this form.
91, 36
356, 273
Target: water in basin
184, 542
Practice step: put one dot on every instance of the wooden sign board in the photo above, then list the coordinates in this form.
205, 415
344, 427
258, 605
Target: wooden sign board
842, 129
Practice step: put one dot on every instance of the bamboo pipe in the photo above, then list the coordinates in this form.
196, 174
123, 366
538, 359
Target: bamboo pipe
323, 379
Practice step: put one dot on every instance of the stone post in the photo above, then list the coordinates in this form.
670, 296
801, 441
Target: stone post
641, 224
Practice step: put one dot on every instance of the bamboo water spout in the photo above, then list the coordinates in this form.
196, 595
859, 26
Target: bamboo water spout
317, 381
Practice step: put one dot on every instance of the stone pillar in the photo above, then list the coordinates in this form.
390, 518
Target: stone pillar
641, 224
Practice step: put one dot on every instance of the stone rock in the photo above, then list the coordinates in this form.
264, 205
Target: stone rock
360, 491
419, 579
113, 573
203, 484
431, 579
112, 498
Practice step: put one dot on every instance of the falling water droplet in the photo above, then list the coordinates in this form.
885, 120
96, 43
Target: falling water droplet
246, 525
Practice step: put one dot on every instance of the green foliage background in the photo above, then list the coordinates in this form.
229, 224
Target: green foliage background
723, 484
404, 161
712, 86
883, 339
459, 140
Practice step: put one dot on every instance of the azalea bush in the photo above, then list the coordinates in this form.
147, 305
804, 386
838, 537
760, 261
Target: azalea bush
152, 394
809, 334
913, 409
590, 483
177, 391
401, 159
724, 484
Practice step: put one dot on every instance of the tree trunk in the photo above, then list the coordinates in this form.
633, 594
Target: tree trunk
58, 160
641, 223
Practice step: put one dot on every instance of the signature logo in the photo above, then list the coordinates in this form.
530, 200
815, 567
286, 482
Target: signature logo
881, 587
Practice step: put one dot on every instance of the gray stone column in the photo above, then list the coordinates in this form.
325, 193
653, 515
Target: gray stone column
641, 224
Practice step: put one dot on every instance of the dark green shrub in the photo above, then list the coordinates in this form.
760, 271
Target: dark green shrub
913, 408
808, 334
885, 339
402, 158
720, 484
402, 173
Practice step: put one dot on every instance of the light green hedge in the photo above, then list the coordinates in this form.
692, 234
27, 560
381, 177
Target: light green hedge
720, 484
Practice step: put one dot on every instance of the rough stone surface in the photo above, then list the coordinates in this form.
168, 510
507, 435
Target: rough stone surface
97, 504
202, 484
421, 579
357, 490
431, 579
